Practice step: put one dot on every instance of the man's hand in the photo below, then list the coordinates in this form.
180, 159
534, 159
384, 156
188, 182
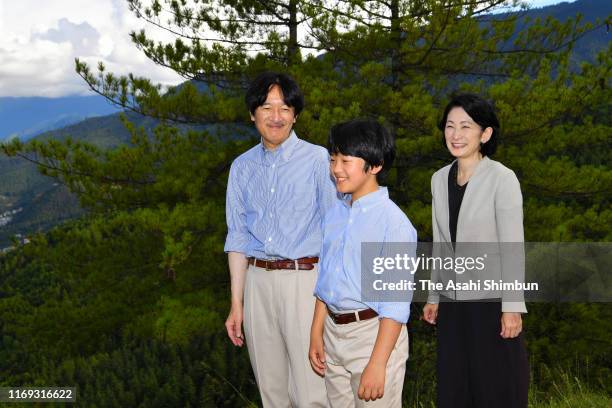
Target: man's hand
511, 325
238, 265
372, 384
316, 354
430, 313
233, 324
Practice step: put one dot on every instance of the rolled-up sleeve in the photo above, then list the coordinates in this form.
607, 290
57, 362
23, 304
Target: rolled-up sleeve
327, 194
238, 236
400, 311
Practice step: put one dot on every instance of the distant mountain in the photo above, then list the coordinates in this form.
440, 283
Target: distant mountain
31, 202
27, 117
48, 125
589, 9
587, 47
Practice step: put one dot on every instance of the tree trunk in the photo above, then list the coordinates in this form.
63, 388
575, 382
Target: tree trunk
396, 38
292, 48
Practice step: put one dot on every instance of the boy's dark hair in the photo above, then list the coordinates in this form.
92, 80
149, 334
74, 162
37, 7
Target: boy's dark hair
364, 138
258, 91
481, 111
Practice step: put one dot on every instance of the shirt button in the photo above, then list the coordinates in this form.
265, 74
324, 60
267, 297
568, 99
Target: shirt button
274, 165
270, 239
272, 190
350, 221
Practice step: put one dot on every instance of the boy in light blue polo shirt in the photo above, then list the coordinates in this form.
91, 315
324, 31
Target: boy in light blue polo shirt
360, 346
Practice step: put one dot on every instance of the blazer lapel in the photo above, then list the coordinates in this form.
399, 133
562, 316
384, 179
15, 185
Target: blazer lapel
443, 204
468, 195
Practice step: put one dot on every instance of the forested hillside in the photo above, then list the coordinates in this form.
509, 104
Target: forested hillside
33, 202
26, 117
24, 186
127, 302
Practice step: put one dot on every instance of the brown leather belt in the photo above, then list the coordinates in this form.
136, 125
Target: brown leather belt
345, 318
302, 263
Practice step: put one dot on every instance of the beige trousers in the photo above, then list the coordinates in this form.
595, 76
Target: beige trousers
278, 310
348, 348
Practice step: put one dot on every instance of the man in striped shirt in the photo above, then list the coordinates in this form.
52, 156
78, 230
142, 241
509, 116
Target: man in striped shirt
277, 195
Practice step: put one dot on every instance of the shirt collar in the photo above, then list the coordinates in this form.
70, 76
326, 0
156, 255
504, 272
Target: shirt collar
285, 150
367, 201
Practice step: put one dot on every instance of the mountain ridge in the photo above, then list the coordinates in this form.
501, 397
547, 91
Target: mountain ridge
22, 186
26, 117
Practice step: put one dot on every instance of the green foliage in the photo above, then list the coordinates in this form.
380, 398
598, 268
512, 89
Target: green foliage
568, 391
128, 301
42, 201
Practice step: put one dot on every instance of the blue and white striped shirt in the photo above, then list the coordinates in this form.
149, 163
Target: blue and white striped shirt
276, 200
372, 218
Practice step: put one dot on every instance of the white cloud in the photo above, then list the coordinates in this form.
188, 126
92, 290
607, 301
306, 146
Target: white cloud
40, 41
83, 37
542, 3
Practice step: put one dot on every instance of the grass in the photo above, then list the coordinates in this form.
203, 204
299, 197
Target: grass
568, 391
562, 390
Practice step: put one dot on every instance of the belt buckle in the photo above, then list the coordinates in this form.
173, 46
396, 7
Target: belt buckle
334, 318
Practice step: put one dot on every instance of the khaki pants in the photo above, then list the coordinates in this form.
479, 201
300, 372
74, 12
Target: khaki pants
278, 310
348, 348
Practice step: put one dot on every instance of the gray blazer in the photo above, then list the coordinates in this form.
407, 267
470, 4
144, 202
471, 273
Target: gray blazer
491, 212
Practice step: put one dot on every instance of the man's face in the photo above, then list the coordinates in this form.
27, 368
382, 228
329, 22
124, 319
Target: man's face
274, 119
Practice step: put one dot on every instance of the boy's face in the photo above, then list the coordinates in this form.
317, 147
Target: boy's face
350, 175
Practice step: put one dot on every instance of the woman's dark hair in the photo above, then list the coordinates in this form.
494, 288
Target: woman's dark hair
364, 138
258, 91
481, 111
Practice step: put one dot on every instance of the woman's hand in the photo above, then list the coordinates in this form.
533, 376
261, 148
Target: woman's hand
430, 313
511, 325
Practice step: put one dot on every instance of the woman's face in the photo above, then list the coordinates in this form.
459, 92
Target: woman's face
463, 135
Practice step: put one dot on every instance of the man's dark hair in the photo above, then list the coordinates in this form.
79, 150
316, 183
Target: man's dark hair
481, 111
258, 91
364, 138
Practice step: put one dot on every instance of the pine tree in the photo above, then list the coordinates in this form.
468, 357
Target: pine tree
147, 262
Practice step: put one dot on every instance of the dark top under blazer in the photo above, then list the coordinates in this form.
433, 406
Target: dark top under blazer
491, 211
455, 197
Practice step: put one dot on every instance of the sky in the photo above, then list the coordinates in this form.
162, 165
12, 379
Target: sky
39, 40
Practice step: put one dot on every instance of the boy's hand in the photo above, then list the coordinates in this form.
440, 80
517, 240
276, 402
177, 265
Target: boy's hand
372, 384
316, 354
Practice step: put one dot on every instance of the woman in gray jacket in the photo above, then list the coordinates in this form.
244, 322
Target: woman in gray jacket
482, 359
